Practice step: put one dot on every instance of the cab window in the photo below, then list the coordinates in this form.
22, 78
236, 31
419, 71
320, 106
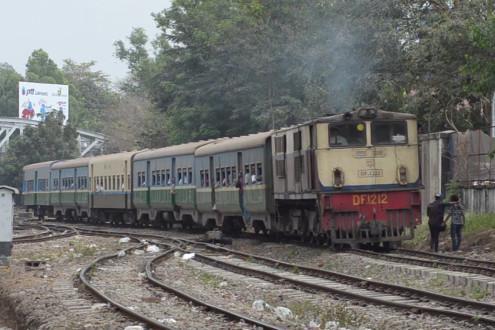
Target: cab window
347, 134
390, 132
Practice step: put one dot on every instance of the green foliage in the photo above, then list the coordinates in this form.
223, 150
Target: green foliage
453, 188
41, 68
9, 82
475, 224
90, 94
49, 141
225, 68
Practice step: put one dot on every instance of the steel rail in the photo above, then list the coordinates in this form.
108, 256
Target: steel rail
483, 308
459, 259
46, 237
315, 286
44, 231
150, 265
428, 262
354, 280
83, 276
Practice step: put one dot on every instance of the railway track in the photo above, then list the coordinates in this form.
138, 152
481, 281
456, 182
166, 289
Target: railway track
47, 233
85, 279
319, 280
433, 260
447, 258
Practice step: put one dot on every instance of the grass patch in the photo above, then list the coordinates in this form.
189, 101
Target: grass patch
339, 312
475, 224
210, 280
478, 293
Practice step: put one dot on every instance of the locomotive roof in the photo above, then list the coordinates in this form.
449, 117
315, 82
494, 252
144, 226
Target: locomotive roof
36, 166
181, 149
353, 115
233, 144
71, 163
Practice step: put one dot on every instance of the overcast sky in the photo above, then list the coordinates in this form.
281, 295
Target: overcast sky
82, 30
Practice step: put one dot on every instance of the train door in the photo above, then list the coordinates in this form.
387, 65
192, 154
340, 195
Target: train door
127, 186
74, 195
173, 182
93, 187
212, 181
241, 176
148, 183
48, 187
35, 187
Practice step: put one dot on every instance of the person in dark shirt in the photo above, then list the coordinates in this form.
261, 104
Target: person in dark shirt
435, 212
456, 214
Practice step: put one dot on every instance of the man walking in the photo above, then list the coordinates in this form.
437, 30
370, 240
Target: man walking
435, 214
456, 214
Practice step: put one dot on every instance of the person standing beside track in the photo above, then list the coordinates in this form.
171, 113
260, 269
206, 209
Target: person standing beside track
435, 212
456, 214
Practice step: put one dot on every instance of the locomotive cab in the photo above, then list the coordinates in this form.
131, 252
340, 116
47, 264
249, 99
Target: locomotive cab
362, 170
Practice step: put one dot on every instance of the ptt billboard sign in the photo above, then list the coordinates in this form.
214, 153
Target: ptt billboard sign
37, 100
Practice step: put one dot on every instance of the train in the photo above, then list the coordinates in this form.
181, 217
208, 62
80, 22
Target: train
345, 179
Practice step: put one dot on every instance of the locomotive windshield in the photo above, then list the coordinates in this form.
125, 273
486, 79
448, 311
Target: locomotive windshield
347, 134
389, 132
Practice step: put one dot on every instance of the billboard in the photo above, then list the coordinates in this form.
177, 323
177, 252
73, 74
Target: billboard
37, 100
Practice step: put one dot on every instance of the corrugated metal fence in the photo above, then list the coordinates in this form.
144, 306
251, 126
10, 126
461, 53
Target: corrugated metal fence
478, 200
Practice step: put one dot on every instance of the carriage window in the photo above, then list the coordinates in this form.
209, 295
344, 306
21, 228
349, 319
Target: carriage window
259, 172
247, 175
297, 141
280, 168
55, 184
253, 174
118, 182
167, 177
179, 176
153, 178
162, 178
189, 175
229, 176
234, 176
347, 134
280, 144
393, 132
224, 177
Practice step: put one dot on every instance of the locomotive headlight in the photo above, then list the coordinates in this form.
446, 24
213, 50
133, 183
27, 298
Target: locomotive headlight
338, 178
402, 175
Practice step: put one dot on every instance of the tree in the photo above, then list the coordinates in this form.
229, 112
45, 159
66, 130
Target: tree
9, 97
49, 141
230, 67
41, 68
90, 94
133, 124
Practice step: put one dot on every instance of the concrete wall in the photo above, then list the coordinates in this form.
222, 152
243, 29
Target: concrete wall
434, 147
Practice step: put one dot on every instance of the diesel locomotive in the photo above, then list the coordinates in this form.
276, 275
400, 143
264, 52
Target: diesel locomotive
344, 179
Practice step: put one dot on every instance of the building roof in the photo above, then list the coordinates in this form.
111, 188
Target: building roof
233, 144
181, 149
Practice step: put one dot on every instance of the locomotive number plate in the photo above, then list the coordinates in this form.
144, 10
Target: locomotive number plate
370, 199
370, 173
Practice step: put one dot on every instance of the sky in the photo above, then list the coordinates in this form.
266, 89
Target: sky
82, 30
